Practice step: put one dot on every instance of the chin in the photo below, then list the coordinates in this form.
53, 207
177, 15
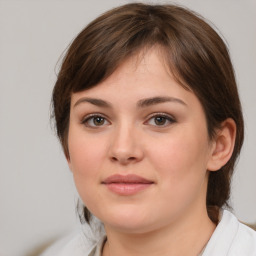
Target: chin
128, 221
130, 227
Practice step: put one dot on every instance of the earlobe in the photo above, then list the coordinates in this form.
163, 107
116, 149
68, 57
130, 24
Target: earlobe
223, 145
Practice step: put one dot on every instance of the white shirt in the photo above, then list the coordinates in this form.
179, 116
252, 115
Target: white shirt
230, 238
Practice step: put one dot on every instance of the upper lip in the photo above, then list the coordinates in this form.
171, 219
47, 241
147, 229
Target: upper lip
130, 178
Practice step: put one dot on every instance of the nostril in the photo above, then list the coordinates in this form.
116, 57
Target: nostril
131, 158
114, 158
123, 159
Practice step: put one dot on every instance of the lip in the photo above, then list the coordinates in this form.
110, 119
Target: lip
127, 184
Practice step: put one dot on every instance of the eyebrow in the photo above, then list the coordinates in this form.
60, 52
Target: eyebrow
93, 101
157, 100
141, 103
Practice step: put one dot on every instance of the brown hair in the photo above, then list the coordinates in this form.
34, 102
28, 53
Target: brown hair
194, 52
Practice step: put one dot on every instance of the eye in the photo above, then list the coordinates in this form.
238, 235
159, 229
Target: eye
160, 120
95, 121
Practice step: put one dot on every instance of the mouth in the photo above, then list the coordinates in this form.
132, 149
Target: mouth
127, 184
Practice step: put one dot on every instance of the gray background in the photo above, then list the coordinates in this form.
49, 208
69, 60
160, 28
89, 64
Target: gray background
37, 195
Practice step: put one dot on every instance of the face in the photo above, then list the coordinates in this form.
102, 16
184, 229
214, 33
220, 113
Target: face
139, 147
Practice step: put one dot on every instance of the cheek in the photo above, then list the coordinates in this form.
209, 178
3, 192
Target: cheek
182, 177
181, 151
86, 150
181, 162
86, 160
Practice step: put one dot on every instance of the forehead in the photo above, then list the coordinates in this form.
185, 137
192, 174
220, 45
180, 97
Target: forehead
141, 76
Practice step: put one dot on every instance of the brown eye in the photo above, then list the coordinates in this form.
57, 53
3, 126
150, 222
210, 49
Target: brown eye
160, 120
98, 120
95, 121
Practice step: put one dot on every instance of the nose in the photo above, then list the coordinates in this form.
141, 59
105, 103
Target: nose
125, 146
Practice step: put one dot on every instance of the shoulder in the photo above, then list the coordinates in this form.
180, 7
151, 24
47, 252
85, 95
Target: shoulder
244, 242
76, 244
231, 238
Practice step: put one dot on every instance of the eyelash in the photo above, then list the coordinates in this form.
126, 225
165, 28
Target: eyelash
91, 117
167, 118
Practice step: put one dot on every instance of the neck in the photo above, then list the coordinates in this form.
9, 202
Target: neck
186, 237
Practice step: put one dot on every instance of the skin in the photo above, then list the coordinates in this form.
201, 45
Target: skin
164, 142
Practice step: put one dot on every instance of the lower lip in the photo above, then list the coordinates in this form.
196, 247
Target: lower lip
126, 189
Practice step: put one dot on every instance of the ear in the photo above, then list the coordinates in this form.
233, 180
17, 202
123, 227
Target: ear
222, 145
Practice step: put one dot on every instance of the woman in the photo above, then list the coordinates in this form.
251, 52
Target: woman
149, 117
